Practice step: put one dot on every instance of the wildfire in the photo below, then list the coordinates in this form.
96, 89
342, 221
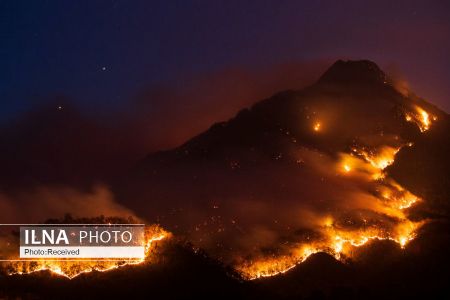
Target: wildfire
421, 118
367, 164
380, 159
73, 268
338, 243
277, 265
391, 200
357, 165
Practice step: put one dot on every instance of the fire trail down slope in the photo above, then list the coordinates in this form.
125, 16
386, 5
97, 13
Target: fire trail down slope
298, 173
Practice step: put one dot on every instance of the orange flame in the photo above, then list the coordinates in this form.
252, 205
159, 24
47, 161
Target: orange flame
421, 118
338, 241
73, 268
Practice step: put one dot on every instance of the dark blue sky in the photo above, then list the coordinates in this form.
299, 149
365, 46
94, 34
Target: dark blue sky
101, 53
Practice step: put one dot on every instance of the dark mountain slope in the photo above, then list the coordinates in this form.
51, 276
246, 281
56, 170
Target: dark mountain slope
353, 103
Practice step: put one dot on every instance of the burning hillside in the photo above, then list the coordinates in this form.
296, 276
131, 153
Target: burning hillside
71, 268
387, 219
299, 173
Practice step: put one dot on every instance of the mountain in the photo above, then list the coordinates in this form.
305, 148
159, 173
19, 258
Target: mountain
349, 157
353, 103
354, 72
336, 191
180, 272
351, 100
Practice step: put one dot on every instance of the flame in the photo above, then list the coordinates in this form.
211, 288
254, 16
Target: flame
73, 268
380, 159
336, 240
421, 118
339, 241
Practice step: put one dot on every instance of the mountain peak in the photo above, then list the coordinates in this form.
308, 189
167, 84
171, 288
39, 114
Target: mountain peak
353, 71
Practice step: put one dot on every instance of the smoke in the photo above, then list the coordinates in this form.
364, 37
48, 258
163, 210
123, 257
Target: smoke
58, 142
38, 204
167, 116
59, 159
262, 185
268, 184
398, 79
275, 207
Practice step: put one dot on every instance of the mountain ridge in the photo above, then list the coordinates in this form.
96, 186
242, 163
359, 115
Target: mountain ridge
286, 153
339, 75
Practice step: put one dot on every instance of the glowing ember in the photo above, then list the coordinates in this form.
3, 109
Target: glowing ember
72, 268
317, 126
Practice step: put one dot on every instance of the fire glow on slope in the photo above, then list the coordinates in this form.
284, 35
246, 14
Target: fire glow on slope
421, 118
391, 201
362, 164
72, 268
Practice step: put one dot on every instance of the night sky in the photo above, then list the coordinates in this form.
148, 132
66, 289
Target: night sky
100, 54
